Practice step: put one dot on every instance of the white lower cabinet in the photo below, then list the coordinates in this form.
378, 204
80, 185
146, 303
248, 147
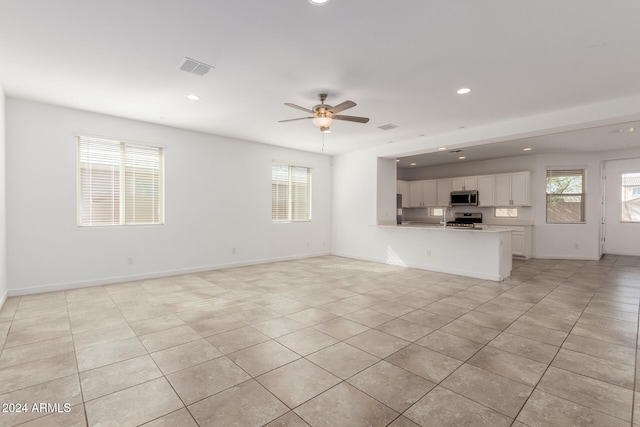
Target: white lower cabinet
521, 242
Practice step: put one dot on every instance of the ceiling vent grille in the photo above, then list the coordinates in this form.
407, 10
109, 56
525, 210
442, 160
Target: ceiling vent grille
388, 126
194, 67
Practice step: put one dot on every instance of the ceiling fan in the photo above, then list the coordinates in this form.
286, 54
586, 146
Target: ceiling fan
325, 114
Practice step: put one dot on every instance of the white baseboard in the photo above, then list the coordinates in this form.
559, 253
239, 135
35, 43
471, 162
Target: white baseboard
3, 298
568, 257
623, 253
152, 275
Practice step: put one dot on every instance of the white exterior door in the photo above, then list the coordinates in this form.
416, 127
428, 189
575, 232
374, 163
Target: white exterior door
621, 235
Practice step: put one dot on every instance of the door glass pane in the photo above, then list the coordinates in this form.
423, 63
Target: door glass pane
630, 211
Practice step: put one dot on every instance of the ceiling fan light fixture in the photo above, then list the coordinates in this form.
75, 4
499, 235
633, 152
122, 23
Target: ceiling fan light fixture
318, 2
463, 90
325, 129
322, 122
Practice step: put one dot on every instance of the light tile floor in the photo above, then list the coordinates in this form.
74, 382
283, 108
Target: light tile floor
330, 341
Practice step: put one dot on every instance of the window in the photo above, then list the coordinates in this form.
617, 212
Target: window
436, 211
565, 196
506, 212
119, 183
290, 193
630, 197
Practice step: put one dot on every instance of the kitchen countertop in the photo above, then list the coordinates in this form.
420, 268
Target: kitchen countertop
431, 226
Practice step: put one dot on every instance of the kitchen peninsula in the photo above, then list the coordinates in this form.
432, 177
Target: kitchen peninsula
484, 254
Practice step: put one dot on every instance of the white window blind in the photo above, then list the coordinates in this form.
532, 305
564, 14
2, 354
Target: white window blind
290, 193
119, 183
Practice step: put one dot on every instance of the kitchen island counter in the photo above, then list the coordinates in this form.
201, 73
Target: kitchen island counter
483, 254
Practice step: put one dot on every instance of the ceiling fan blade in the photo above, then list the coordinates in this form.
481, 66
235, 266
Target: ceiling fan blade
298, 107
342, 106
293, 120
351, 118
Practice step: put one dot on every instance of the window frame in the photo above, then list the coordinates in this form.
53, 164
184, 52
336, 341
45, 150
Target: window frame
133, 163
292, 199
566, 171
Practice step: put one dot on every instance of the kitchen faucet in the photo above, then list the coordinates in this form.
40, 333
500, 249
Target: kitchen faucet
444, 217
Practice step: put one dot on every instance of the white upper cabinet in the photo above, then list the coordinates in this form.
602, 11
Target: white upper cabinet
416, 197
504, 189
486, 189
423, 193
403, 188
430, 192
444, 192
521, 188
464, 183
513, 189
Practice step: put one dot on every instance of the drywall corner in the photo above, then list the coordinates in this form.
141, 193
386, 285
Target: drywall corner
3, 204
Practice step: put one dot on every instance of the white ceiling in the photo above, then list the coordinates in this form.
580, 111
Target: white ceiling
400, 61
601, 138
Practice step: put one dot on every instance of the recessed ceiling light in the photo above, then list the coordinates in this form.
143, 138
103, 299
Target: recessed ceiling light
442, 148
527, 149
462, 157
463, 90
397, 160
318, 2
413, 163
193, 97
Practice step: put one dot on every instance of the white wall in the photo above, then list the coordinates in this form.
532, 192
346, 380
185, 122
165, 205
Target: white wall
568, 241
3, 210
218, 197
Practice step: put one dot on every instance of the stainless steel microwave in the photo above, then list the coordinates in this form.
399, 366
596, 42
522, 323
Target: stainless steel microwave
464, 198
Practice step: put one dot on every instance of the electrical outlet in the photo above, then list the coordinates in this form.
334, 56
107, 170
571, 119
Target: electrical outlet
130, 260
233, 251
428, 252
308, 244
576, 246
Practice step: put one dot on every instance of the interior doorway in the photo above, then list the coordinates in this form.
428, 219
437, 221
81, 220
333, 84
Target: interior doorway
621, 213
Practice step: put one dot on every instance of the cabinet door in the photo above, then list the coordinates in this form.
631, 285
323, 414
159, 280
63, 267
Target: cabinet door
486, 184
517, 243
520, 188
470, 183
444, 192
457, 184
416, 196
403, 188
430, 193
503, 189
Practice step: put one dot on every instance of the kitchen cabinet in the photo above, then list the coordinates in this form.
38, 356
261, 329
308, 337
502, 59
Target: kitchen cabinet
403, 188
464, 183
521, 188
520, 238
513, 189
486, 190
423, 193
430, 192
443, 187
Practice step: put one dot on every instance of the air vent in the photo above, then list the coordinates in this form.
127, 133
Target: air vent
388, 126
194, 67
